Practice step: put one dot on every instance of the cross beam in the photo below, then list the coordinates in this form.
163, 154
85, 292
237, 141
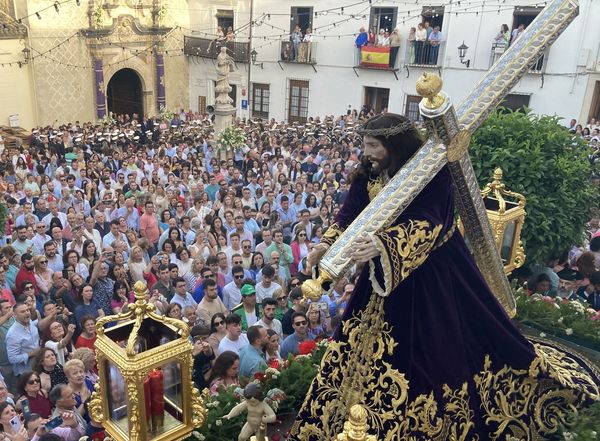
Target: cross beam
450, 133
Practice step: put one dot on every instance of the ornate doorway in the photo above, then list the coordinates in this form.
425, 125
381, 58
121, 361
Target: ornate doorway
124, 93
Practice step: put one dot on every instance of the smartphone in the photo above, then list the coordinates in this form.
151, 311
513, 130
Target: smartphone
53, 423
26, 408
15, 423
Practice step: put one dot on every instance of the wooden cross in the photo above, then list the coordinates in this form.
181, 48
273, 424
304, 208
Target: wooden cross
450, 131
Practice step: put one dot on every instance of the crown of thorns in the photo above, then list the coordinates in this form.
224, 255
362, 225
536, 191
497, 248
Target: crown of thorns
388, 131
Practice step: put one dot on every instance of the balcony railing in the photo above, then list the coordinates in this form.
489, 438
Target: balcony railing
210, 48
301, 53
424, 53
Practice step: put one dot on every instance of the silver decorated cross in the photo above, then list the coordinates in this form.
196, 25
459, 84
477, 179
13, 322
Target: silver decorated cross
450, 132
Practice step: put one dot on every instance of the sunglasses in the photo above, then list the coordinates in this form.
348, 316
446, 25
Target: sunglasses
295, 285
302, 323
238, 277
34, 381
282, 298
27, 288
43, 261
209, 275
301, 235
219, 323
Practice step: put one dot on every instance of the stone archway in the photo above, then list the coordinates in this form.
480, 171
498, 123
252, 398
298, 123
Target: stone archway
124, 93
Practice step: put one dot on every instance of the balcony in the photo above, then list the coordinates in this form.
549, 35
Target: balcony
376, 58
302, 53
425, 54
210, 48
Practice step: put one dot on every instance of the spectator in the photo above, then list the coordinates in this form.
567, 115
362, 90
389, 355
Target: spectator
22, 340
64, 400
232, 295
225, 372
248, 310
319, 320
50, 371
70, 430
7, 413
30, 389
266, 287
252, 356
300, 248
82, 387
25, 274
203, 355
60, 340
89, 305
298, 305
272, 347
268, 320
218, 330
181, 296
234, 340
291, 342
87, 338
7, 319
210, 304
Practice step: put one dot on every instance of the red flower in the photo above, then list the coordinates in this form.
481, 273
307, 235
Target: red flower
259, 376
276, 437
306, 347
274, 363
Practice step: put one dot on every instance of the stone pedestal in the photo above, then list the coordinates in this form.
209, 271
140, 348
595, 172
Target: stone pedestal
224, 114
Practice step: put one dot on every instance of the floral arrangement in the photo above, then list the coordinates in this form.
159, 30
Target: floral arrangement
285, 382
97, 14
231, 138
166, 113
107, 120
571, 320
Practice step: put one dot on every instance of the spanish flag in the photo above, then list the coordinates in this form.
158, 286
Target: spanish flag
377, 57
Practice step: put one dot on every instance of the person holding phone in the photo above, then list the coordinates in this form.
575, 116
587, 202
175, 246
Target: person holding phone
12, 427
66, 426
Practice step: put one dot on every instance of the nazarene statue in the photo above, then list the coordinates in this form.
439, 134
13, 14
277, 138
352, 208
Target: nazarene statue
424, 345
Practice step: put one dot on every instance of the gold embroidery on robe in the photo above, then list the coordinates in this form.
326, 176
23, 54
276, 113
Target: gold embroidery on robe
331, 234
525, 404
374, 186
403, 248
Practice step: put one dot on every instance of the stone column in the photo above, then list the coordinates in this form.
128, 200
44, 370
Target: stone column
160, 81
100, 95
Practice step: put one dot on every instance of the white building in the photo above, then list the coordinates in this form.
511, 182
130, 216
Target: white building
565, 82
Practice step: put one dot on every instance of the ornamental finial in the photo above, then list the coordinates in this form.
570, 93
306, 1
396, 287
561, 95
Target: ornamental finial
355, 429
429, 87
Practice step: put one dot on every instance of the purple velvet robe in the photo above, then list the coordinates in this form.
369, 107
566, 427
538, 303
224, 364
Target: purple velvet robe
427, 349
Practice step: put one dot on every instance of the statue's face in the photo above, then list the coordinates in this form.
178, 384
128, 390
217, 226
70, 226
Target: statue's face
376, 153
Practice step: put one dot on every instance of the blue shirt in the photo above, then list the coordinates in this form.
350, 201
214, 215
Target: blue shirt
20, 340
362, 39
290, 344
251, 361
199, 293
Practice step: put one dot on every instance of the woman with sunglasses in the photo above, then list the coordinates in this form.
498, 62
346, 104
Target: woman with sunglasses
218, 330
300, 248
43, 274
30, 388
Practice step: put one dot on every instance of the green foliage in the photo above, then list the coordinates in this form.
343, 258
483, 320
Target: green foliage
587, 427
569, 320
541, 160
3, 214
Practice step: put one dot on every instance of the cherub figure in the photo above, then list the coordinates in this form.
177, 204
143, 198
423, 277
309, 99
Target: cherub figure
259, 413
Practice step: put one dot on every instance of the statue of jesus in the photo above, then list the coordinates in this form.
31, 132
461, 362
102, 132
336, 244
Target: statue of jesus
424, 346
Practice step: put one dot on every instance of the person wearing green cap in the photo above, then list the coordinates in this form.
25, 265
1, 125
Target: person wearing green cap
249, 311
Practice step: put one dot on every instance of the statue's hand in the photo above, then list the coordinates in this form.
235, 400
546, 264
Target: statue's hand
315, 254
364, 250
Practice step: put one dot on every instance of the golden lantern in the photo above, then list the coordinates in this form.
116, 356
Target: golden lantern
145, 389
506, 219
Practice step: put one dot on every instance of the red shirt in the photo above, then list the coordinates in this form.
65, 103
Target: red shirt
24, 276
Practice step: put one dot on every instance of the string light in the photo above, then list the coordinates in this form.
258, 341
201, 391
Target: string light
38, 15
56, 7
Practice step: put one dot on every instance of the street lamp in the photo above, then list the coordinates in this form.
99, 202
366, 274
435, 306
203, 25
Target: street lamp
253, 55
26, 53
462, 52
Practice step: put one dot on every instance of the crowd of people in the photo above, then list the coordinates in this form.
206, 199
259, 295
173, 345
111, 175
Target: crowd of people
220, 240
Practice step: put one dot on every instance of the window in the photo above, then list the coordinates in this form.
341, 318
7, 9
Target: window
298, 101
515, 101
434, 15
260, 100
301, 16
383, 18
225, 19
376, 98
411, 110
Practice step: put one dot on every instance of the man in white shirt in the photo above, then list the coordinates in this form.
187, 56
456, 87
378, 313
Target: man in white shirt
266, 287
267, 240
234, 340
234, 246
231, 292
268, 319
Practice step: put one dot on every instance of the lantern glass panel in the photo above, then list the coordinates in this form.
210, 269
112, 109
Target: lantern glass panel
508, 239
164, 397
117, 396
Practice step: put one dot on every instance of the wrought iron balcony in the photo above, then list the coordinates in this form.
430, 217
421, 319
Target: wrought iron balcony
302, 53
210, 48
424, 53
498, 49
